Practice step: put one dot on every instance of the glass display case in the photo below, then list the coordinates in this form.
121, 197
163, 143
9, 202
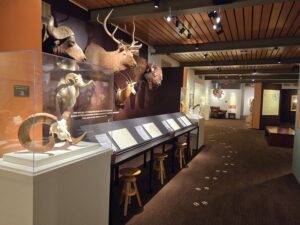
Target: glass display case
45, 101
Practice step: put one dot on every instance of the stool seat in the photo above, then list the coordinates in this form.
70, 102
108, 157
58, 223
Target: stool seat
129, 187
129, 172
160, 156
181, 144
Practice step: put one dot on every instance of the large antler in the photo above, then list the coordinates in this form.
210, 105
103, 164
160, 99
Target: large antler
134, 43
105, 27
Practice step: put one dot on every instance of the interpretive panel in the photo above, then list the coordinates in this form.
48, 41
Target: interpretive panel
152, 129
141, 131
173, 124
186, 121
181, 122
271, 103
123, 138
104, 141
166, 125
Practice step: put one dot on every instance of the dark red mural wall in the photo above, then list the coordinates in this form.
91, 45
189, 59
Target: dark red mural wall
165, 99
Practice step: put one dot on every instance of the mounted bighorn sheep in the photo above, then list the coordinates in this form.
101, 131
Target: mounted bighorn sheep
61, 41
56, 127
68, 89
113, 61
123, 94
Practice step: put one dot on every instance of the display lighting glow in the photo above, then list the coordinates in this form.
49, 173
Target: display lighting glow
156, 4
169, 18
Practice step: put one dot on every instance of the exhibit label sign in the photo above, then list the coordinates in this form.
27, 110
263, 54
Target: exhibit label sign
271, 100
123, 138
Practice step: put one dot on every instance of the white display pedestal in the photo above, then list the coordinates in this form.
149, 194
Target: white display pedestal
200, 120
72, 190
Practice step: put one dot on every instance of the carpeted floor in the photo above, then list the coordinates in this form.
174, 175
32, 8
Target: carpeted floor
237, 179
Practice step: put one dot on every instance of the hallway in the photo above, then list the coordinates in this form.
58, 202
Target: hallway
236, 179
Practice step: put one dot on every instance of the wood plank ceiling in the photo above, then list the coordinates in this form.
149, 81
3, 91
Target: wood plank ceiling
272, 20
96, 4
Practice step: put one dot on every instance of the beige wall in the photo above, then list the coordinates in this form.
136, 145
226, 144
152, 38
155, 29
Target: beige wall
257, 105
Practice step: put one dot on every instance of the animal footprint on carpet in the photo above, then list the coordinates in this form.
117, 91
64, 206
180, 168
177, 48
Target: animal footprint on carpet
196, 204
218, 171
215, 178
207, 178
204, 203
224, 171
206, 188
198, 189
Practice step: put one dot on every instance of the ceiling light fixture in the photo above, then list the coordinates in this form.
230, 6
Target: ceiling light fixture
181, 31
156, 4
254, 72
169, 17
279, 61
189, 36
197, 46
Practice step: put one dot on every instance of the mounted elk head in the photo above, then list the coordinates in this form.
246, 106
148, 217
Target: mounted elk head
154, 76
113, 61
123, 94
61, 41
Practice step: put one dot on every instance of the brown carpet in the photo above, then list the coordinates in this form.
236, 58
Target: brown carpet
237, 179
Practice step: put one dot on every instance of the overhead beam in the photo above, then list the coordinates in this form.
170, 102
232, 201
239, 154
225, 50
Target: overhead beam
231, 45
250, 77
294, 70
269, 81
241, 62
146, 10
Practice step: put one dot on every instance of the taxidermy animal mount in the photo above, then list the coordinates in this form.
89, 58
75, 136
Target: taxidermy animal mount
154, 76
113, 61
123, 94
57, 127
61, 41
68, 89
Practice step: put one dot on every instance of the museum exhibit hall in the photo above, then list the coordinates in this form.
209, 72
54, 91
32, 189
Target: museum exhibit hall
149, 112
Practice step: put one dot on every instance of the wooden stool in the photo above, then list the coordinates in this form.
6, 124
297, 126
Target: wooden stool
129, 187
181, 146
159, 165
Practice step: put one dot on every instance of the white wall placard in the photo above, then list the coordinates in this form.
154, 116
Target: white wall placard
105, 141
123, 138
164, 122
140, 130
173, 124
271, 103
181, 122
152, 129
186, 121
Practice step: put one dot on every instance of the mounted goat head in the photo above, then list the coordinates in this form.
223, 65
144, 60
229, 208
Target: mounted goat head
61, 41
123, 94
154, 76
113, 61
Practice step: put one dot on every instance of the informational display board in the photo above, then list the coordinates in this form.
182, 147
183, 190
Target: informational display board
104, 141
141, 131
186, 121
271, 100
123, 138
181, 122
152, 129
173, 124
166, 125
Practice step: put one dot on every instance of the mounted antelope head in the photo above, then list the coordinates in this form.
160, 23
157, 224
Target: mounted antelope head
123, 94
113, 61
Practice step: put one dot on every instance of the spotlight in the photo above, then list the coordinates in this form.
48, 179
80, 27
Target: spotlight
189, 36
156, 4
254, 72
205, 55
214, 15
182, 30
197, 46
169, 18
279, 61
215, 26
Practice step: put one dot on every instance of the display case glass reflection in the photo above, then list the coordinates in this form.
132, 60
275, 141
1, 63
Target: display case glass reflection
294, 102
45, 101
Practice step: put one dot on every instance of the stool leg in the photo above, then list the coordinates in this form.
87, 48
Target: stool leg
183, 158
122, 193
137, 194
180, 158
126, 199
161, 171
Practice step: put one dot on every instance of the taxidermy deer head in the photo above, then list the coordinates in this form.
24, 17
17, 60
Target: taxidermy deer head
113, 61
